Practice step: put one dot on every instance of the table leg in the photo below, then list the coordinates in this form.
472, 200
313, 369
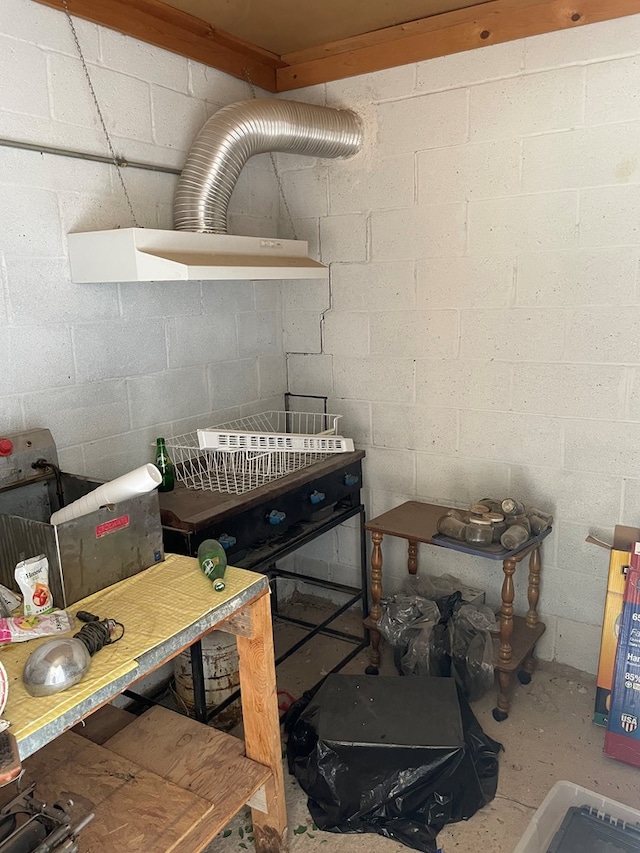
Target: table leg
505, 674
412, 559
533, 591
262, 725
376, 595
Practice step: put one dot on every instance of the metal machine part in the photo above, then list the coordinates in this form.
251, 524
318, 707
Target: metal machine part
28, 825
85, 554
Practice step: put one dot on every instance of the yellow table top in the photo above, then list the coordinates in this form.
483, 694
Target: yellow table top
154, 605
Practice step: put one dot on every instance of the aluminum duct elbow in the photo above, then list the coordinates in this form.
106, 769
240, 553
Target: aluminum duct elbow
237, 132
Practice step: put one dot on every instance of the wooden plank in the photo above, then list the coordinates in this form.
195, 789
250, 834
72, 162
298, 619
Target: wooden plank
262, 725
157, 23
104, 723
134, 810
492, 22
195, 757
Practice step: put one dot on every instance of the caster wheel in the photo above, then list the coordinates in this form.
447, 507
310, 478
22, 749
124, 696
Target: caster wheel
524, 677
371, 670
499, 716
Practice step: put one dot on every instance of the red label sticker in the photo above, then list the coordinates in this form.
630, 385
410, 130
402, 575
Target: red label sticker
112, 526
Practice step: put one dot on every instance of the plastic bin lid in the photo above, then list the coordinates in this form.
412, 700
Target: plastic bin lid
390, 711
583, 831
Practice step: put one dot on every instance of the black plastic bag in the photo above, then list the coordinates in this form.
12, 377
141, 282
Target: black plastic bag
399, 757
472, 649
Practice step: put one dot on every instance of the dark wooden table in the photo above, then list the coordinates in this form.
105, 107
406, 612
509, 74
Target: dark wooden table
514, 648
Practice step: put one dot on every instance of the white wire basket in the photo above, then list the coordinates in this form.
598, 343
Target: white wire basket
236, 470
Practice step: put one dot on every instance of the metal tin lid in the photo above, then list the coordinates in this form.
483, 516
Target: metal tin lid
483, 522
495, 517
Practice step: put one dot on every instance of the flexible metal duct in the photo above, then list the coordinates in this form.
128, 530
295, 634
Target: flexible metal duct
239, 131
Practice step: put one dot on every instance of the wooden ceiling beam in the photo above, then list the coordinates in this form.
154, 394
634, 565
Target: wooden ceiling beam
491, 22
157, 23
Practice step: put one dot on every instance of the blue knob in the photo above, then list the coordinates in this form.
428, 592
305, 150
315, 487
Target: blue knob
317, 497
227, 541
351, 479
275, 516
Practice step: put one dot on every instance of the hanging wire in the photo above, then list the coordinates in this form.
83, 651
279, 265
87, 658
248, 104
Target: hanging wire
114, 158
273, 164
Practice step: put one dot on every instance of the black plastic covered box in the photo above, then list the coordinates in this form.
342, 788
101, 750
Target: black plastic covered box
400, 757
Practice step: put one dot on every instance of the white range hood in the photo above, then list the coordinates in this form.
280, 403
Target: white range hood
146, 254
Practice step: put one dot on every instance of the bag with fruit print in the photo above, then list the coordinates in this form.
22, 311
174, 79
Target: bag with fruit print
32, 576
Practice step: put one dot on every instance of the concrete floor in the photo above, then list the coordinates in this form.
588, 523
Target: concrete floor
548, 736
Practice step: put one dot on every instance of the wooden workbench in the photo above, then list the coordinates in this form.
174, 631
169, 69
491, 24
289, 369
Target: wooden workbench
165, 782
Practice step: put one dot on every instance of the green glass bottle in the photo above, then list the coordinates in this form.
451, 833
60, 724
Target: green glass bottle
213, 561
165, 466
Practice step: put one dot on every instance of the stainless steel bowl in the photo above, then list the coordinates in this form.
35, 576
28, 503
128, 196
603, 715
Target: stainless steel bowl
55, 666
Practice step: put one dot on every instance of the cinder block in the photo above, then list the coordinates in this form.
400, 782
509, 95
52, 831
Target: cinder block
568, 390
47, 28
610, 216
35, 358
106, 459
375, 378
43, 241
558, 594
630, 512
546, 647
428, 334
272, 376
602, 447
12, 419
523, 223
194, 340
583, 44
578, 645
310, 374
587, 157
390, 470
465, 282
580, 277
232, 383
324, 548
422, 427
305, 296
467, 384
422, 122
302, 331
512, 334
23, 67
167, 395
71, 459
161, 298
470, 67
450, 480
534, 103
346, 333
177, 118
58, 299
359, 287
367, 88
461, 172
343, 238
112, 349
576, 496
612, 90
355, 422
131, 56
427, 231
267, 296
577, 555
80, 413
600, 334
306, 191
215, 86
520, 439
259, 333
386, 182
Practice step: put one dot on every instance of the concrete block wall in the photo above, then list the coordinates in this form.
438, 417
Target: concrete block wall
109, 367
479, 331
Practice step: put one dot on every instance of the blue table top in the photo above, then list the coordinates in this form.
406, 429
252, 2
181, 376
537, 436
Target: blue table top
495, 551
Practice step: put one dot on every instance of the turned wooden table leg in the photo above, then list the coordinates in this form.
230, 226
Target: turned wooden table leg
505, 674
506, 612
412, 558
376, 595
533, 591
